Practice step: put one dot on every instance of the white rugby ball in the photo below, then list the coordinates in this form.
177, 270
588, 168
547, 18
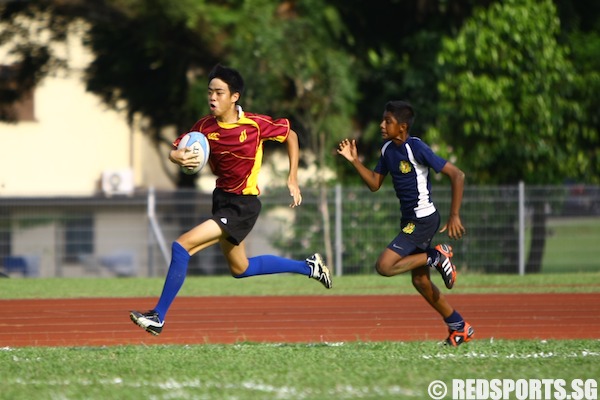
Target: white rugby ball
198, 143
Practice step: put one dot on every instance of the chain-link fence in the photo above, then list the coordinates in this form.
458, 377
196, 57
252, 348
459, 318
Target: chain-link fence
510, 229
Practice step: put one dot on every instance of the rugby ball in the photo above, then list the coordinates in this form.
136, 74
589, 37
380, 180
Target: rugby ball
198, 143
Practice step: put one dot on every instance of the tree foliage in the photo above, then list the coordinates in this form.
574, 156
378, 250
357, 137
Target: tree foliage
320, 61
143, 55
585, 48
506, 95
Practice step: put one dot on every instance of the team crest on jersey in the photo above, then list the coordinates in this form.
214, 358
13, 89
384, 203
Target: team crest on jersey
213, 136
409, 228
243, 136
405, 167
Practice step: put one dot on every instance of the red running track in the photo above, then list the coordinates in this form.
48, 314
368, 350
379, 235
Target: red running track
197, 320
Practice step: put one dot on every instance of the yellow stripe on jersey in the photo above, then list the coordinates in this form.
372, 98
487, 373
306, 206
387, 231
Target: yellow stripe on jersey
252, 181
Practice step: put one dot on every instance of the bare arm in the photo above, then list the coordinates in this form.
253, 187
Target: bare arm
457, 180
294, 155
373, 180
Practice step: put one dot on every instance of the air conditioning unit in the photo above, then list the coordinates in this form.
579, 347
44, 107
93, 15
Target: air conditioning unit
118, 182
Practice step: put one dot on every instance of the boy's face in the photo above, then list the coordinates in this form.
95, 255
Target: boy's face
220, 99
391, 129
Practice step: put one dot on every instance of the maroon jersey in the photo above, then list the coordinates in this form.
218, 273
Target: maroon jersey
236, 149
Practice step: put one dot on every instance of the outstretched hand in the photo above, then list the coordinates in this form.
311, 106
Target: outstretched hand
347, 149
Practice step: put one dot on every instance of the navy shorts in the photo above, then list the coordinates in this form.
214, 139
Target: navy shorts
415, 235
236, 214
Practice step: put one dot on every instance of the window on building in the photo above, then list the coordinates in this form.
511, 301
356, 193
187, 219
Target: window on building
5, 233
79, 237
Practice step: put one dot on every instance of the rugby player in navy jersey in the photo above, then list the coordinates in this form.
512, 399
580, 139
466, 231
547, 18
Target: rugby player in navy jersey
236, 148
408, 161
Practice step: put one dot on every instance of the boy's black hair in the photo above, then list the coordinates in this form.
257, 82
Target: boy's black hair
230, 76
402, 111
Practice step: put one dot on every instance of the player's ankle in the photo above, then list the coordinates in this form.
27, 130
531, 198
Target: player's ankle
433, 257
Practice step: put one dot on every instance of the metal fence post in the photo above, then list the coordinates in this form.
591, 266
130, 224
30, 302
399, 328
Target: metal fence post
155, 226
338, 230
521, 228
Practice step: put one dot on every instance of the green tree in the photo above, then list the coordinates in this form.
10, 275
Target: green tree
585, 55
395, 44
506, 101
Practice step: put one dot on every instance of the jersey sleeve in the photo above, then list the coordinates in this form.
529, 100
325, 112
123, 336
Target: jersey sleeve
425, 156
381, 167
273, 129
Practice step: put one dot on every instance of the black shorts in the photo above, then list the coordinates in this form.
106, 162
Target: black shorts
415, 235
235, 214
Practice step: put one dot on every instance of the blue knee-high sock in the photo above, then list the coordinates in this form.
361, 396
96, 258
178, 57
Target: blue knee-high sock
264, 265
455, 321
174, 280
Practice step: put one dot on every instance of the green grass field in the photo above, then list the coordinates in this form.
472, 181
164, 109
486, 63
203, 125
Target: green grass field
387, 370
283, 371
277, 285
572, 245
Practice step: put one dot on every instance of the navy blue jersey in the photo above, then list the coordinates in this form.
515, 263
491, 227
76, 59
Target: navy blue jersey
409, 166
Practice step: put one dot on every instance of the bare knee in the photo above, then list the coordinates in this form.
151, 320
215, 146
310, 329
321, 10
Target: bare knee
383, 269
237, 270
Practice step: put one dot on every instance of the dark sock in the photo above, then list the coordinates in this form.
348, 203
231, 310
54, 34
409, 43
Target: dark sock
433, 257
455, 321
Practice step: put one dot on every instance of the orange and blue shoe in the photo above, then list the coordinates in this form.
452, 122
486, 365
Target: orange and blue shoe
445, 266
456, 338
